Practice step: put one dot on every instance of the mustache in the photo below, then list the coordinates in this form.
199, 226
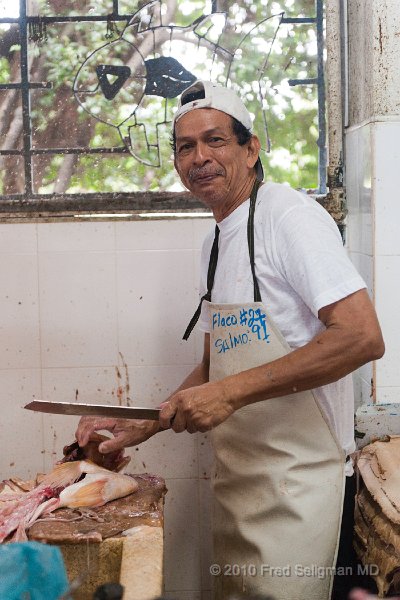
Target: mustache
197, 172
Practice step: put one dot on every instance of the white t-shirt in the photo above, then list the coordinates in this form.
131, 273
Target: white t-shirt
301, 266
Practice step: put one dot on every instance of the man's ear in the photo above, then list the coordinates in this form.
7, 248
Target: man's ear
253, 150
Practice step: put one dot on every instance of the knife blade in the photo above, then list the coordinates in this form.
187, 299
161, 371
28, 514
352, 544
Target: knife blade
101, 410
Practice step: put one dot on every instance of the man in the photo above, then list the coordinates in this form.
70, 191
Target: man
286, 320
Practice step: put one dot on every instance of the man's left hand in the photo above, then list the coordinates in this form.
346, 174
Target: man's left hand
126, 432
197, 408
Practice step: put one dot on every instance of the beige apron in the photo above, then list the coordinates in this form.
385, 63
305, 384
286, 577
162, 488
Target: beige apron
279, 469
279, 475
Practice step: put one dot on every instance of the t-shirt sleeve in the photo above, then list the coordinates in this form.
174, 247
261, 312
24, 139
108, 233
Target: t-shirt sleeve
311, 256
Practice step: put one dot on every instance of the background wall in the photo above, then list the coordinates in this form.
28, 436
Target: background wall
95, 312
372, 167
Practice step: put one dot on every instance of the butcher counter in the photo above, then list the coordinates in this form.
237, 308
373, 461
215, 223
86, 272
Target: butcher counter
121, 541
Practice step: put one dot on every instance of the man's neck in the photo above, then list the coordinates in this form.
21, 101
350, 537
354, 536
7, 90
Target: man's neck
222, 211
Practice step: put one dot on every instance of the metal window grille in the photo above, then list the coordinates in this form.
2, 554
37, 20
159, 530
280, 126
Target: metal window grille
30, 203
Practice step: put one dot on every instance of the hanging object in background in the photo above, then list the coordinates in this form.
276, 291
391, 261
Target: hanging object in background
131, 82
37, 31
112, 29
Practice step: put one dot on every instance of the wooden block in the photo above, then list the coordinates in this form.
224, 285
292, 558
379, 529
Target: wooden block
142, 563
97, 564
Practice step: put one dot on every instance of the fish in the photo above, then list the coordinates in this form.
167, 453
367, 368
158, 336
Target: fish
113, 461
16, 510
69, 485
98, 487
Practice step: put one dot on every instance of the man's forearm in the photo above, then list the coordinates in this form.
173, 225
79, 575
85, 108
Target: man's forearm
346, 344
309, 367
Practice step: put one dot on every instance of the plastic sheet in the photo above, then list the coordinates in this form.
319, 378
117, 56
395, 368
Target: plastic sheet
31, 571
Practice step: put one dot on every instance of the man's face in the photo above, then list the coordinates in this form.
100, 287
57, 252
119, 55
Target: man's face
208, 158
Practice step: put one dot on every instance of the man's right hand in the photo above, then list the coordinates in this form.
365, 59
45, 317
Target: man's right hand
127, 432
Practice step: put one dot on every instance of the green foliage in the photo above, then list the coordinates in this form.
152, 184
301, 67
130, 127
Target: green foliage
4, 70
291, 113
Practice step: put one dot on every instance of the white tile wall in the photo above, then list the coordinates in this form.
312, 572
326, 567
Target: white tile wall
387, 204
168, 454
76, 237
155, 235
387, 254
78, 310
19, 240
388, 395
154, 289
150, 385
96, 385
95, 312
359, 230
21, 431
19, 311
372, 165
387, 303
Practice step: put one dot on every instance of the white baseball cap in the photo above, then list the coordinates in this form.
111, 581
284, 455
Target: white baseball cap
221, 98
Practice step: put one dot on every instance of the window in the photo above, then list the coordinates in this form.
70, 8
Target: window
88, 88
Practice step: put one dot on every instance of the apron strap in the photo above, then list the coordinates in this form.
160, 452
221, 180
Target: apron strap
212, 265
250, 239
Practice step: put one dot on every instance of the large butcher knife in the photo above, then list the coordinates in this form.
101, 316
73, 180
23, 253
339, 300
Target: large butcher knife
100, 410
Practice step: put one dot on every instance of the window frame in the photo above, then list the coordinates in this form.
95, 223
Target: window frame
129, 205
